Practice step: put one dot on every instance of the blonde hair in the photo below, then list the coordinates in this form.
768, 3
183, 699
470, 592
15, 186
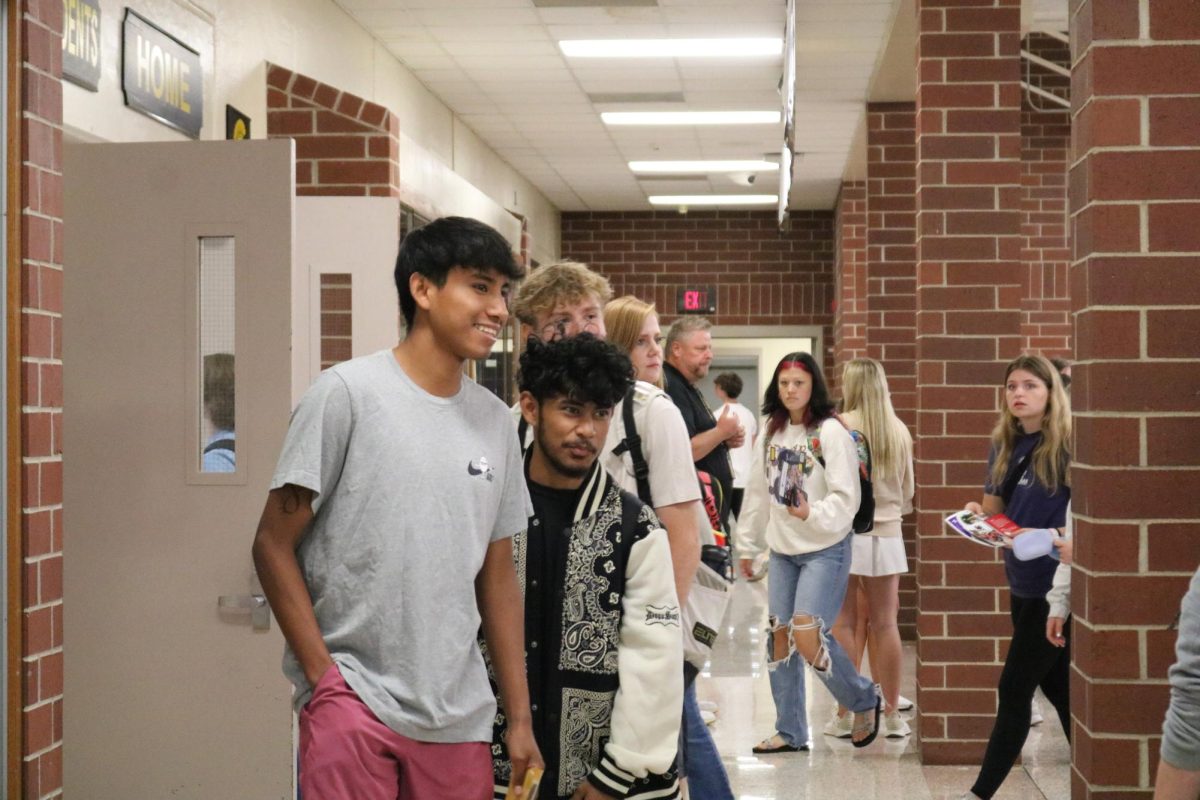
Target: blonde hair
552, 284
624, 319
865, 393
1052, 456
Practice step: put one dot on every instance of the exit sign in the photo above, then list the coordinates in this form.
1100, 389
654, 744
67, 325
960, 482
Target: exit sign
702, 300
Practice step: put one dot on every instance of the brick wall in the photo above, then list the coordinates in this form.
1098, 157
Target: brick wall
344, 144
850, 278
968, 299
1135, 288
761, 276
41, 238
1045, 250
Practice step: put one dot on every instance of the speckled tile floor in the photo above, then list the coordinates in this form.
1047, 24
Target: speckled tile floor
737, 681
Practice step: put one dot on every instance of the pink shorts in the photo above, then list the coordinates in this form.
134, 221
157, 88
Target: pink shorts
346, 752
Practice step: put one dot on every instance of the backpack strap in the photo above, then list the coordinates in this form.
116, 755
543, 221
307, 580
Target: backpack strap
1014, 477
632, 443
522, 432
814, 444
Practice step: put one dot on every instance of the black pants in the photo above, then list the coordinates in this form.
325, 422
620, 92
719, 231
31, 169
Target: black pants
1032, 662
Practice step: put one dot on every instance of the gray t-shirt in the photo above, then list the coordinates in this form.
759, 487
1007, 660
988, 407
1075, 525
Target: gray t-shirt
411, 490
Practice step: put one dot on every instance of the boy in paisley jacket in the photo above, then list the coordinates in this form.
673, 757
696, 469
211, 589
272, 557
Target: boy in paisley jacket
602, 633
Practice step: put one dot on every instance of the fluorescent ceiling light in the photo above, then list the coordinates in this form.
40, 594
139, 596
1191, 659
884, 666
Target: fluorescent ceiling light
690, 117
678, 167
670, 48
713, 199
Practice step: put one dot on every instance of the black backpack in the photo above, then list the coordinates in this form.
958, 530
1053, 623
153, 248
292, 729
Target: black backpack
864, 518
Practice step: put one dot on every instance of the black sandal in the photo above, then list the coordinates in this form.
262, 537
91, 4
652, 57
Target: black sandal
861, 727
767, 746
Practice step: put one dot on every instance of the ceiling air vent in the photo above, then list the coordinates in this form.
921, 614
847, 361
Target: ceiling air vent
606, 98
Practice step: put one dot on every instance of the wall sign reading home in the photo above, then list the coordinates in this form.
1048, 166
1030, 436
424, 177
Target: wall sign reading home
161, 76
700, 300
81, 43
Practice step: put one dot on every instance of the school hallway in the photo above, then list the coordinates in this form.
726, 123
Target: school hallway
887, 770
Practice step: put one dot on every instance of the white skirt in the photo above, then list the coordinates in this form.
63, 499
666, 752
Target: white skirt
877, 555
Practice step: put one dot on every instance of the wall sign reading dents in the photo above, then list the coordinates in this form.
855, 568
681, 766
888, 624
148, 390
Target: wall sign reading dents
161, 76
81, 43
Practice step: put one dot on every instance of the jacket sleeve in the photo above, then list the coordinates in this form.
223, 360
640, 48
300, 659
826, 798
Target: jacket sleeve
649, 703
833, 514
1059, 596
1181, 728
752, 522
908, 486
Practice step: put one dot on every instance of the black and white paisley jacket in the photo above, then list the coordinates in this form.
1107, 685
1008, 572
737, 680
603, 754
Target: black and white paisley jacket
603, 648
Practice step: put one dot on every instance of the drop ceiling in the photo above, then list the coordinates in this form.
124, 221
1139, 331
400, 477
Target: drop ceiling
497, 65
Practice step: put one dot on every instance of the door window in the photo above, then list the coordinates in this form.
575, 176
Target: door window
217, 441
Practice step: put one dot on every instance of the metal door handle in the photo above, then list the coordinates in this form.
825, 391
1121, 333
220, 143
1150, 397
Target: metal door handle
256, 604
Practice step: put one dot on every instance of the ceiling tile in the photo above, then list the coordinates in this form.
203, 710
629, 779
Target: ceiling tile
497, 65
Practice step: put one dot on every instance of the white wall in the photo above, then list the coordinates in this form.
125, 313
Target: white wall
446, 164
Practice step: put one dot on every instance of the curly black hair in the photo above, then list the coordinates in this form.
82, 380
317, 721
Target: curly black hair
583, 368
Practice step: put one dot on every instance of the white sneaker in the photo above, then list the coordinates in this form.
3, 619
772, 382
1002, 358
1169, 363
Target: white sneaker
841, 727
894, 726
707, 717
707, 705
1035, 715
904, 704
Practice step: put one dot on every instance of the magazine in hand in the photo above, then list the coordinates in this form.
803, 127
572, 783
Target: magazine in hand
786, 470
994, 531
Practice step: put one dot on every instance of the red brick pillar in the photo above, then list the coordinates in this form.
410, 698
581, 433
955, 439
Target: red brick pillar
968, 299
850, 277
891, 281
1135, 288
35, 668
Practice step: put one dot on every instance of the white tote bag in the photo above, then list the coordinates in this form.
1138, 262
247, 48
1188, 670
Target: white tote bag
702, 616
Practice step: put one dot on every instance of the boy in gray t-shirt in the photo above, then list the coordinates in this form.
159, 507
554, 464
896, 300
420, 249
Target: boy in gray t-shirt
385, 543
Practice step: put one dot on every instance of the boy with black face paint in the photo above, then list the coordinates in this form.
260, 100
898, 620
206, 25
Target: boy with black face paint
386, 542
603, 642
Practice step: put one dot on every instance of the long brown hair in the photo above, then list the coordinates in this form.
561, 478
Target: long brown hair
1052, 457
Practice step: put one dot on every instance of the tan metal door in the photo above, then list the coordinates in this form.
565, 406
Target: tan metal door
174, 252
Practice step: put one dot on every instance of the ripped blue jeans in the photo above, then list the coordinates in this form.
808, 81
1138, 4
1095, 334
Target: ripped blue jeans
812, 584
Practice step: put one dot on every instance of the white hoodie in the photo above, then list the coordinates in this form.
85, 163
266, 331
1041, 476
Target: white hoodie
833, 491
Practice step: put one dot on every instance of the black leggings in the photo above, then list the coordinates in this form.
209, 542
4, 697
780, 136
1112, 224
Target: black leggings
1032, 662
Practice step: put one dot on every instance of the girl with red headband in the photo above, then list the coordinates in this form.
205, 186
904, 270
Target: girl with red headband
800, 503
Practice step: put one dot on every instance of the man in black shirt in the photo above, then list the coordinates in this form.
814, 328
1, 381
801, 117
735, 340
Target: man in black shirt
601, 612
689, 354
